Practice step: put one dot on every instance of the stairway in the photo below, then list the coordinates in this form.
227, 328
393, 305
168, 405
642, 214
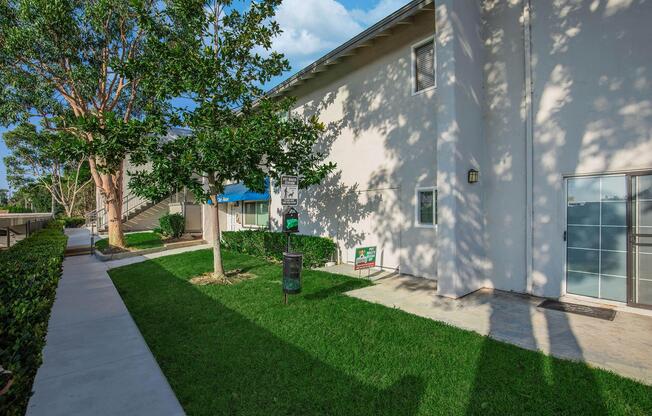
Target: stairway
146, 217
138, 214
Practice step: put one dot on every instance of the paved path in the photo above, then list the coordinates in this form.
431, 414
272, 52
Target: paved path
623, 345
96, 362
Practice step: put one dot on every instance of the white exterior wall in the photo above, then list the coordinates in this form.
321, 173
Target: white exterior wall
382, 137
461, 242
592, 114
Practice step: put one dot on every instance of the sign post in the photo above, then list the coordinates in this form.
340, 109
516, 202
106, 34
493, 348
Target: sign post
289, 191
365, 258
292, 262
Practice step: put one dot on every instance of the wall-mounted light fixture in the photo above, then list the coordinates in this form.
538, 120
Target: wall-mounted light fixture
473, 176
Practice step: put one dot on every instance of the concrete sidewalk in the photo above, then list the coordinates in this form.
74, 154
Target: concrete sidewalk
95, 361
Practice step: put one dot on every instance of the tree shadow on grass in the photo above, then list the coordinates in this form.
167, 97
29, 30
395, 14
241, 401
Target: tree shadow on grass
221, 362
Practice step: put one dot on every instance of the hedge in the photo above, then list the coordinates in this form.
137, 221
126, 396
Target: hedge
29, 274
13, 209
316, 250
73, 222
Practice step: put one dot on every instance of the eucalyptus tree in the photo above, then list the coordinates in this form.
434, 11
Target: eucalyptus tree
218, 62
83, 67
55, 161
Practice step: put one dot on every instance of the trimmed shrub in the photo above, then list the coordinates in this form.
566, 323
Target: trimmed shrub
29, 274
74, 222
172, 225
15, 209
271, 245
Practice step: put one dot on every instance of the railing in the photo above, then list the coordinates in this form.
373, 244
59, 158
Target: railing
99, 217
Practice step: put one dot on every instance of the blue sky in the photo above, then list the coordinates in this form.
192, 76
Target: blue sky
310, 29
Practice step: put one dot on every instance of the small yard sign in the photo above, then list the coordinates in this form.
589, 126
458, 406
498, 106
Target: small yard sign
365, 257
289, 190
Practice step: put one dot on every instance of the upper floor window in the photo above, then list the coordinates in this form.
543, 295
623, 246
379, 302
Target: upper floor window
423, 56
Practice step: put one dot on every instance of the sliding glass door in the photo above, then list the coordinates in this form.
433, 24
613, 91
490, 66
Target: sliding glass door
640, 240
596, 237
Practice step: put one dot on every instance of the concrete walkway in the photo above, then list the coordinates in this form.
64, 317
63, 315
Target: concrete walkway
95, 361
623, 345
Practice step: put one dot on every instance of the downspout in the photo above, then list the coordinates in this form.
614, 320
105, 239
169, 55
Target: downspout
529, 145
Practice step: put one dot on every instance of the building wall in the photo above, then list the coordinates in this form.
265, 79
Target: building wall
461, 240
592, 114
382, 138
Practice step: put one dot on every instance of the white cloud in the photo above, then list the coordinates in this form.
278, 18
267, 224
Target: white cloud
381, 10
313, 27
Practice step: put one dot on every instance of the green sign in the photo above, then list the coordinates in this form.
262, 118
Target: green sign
365, 257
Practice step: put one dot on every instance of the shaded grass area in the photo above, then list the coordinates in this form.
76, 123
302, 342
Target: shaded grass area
135, 241
238, 350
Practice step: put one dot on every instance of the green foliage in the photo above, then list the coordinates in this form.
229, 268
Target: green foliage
237, 134
172, 225
134, 241
14, 209
35, 197
238, 349
73, 222
29, 273
271, 245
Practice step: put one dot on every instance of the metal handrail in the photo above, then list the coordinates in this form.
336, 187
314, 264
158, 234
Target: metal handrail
101, 213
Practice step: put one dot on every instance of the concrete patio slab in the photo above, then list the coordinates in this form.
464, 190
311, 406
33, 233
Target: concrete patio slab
347, 269
623, 345
95, 361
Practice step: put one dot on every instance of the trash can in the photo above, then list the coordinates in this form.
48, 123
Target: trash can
292, 263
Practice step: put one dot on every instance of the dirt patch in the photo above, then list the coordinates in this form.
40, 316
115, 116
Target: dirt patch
231, 277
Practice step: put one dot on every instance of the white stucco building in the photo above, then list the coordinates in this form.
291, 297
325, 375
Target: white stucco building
549, 100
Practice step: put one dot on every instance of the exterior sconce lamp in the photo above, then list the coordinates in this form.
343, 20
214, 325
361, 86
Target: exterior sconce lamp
473, 176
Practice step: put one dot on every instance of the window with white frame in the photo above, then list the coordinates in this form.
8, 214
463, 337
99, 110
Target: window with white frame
256, 214
426, 210
423, 67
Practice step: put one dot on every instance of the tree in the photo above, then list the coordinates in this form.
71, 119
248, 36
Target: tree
4, 196
56, 161
82, 67
237, 133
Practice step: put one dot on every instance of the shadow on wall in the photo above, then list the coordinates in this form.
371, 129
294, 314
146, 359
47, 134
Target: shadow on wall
592, 107
383, 140
591, 114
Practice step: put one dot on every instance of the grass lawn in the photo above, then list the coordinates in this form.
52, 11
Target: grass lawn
238, 350
135, 241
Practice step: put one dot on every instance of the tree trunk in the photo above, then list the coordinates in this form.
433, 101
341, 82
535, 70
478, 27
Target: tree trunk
218, 267
114, 213
110, 186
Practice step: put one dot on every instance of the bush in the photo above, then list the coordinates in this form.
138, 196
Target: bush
316, 250
15, 209
29, 274
74, 222
172, 225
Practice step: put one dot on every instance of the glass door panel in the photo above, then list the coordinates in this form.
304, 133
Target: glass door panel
641, 240
596, 237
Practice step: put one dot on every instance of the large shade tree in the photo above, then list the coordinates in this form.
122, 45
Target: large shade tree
82, 67
219, 61
55, 161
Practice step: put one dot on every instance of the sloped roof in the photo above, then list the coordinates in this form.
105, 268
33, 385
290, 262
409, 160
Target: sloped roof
349, 48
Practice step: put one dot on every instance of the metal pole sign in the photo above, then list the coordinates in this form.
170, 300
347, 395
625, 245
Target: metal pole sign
289, 190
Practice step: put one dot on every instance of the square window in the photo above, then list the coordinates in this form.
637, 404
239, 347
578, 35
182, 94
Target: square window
424, 66
426, 207
256, 214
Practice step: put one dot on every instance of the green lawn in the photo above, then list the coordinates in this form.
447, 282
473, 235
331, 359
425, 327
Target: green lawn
238, 350
135, 241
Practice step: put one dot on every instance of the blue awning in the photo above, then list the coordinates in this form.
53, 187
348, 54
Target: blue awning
239, 192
